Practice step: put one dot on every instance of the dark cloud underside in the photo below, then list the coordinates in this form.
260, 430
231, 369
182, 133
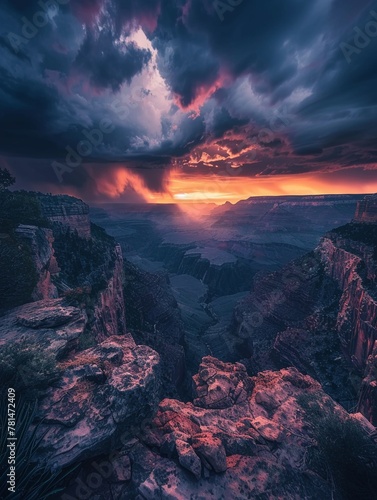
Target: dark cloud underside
281, 87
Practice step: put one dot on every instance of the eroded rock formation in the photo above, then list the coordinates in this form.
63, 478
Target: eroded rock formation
40, 241
102, 391
367, 209
68, 211
225, 446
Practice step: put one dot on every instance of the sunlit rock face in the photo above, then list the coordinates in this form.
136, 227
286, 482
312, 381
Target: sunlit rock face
109, 309
241, 438
68, 211
351, 261
367, 209
40, 242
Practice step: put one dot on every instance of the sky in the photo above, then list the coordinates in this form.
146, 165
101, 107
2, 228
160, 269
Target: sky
189, 100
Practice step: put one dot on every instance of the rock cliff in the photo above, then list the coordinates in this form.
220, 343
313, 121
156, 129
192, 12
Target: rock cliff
349, 256
92, 275
68, 211
367, 210
319, 314
40, 242
109, 308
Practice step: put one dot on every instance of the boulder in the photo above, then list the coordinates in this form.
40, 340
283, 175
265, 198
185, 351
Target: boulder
50, 324
101, 394
221, 385
211, 450
188, 458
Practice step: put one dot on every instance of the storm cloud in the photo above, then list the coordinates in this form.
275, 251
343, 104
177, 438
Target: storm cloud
207, 86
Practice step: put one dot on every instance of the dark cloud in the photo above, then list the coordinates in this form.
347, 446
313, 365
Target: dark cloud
108, 64
263, 84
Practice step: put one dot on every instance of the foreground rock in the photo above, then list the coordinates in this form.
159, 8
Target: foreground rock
50, 324
250, 447
256, 446
102, 392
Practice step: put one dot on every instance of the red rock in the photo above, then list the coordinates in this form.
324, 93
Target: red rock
188, 458
211, 451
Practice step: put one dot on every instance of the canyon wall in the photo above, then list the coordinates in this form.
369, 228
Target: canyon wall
319, 314
109, 308
352, 265
40, 242
68, 211
357, 317
366, 210
69, 250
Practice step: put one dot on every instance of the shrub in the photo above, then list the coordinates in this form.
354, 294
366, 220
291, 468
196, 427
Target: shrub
84, 262
26, 367
6, 179
18, 276
34, 481
344, 453
20, 207
86, 341
78, 296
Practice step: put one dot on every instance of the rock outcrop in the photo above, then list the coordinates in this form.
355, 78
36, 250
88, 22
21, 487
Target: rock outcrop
68, 211
366, 210
49, 324
94, 395
40, 242
101, 393
254, 446
109, 309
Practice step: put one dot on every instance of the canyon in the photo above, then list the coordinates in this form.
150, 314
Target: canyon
201, 355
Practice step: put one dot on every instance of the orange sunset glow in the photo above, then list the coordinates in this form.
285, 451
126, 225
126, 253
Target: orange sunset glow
181, 188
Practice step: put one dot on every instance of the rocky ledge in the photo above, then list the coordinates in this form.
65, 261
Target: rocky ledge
102, 392
50, 324
242, 437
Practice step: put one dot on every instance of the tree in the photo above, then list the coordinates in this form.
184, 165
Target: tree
6, 179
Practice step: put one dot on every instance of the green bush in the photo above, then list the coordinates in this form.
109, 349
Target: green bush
344, 453
20, 207
26, 367
18, 276
84, 262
